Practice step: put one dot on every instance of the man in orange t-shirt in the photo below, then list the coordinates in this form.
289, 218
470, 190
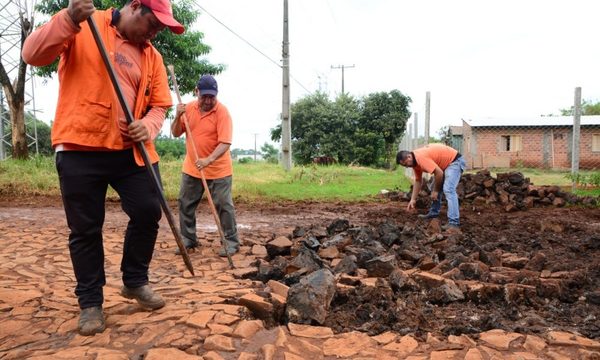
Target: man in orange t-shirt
210, 132
446, 164
94, 144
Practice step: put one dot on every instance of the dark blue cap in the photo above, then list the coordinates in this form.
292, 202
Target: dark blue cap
207, 85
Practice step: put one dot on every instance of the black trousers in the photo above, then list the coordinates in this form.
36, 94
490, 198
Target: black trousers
84, 179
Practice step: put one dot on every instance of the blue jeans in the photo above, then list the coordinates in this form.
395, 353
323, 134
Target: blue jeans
451, 179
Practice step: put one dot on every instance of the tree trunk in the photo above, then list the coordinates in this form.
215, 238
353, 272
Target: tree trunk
19, 135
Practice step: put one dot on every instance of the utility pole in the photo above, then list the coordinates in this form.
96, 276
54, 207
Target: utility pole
427, 115
286, 121
342, 67
255, 146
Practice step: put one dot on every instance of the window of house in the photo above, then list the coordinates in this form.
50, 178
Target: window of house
511, 143
596, 142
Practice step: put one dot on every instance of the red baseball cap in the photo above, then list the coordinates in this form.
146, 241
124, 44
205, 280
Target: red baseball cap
163, 12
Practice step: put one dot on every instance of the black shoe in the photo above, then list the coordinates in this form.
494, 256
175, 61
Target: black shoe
91, 321
144, 295
189, 245
427, 216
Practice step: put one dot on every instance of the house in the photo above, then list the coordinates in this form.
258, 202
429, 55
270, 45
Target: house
540, 142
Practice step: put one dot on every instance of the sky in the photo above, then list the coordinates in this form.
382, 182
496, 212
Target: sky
476, 58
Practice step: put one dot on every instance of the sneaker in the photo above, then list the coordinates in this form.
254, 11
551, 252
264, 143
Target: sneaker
427, 216
91, 321
222, 252
189, 245
145, 296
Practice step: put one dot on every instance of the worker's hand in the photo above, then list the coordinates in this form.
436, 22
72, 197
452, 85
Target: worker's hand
202, 163
180, 110
80, 10
411, 205
434, 195
138, 131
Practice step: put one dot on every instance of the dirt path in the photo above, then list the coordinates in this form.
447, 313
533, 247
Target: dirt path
204, 319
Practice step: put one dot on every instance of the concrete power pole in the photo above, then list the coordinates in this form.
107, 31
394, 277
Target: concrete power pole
576, 137
286, 121
342, 67
255, 146
427, 115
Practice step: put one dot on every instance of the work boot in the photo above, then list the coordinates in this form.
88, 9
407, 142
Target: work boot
427, 216
91, 321
189, 245
145, 296
230, 251
448, 226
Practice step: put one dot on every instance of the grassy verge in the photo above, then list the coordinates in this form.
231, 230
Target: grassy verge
252, 181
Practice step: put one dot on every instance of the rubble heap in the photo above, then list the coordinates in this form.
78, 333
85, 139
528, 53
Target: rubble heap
396, 277
512, 190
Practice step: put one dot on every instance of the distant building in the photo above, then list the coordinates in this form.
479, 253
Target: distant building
541, 142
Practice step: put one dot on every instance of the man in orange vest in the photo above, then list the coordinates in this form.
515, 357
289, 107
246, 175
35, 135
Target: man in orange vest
94, 144
210, 133
447, 165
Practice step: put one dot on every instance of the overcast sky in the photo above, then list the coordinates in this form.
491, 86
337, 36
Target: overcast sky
477, 58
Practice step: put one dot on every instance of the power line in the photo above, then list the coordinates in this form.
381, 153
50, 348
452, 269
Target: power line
249, 44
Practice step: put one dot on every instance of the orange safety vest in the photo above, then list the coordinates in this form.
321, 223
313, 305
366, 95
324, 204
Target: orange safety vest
87, 110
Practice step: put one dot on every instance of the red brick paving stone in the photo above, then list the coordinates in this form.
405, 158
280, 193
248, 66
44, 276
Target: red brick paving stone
17, 297
563, 338
245, 329
219, 343
499, 339
225, 319
404, 346
462, 340
268, 351
304, 348
446, 355
385, 338
278, 288
348, 344
258, 305
290, 356
170, 354
588, 355
247, 356
259, 250
534, 344
211, 355
315, 332
281, 338
152, 332
10, 327
473, 354
200, 319
218, 329
555, 355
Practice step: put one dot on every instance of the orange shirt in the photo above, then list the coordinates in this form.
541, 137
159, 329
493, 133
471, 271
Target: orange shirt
207, 131
88, 114
431, 155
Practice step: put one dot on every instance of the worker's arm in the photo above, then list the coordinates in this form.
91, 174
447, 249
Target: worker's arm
415, 193
177, 127
217, 153
438, 176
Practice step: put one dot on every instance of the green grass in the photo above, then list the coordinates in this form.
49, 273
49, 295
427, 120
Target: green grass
252, 181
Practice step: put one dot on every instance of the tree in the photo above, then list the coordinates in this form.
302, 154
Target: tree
269, 153
15, 94
445, 135
587, 108
384, 116
183, 51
